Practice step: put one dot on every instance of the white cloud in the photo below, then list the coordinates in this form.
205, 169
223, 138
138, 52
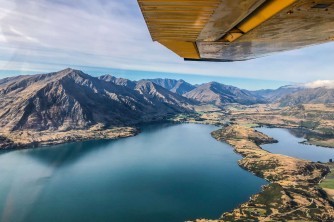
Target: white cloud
329, 84
45, 35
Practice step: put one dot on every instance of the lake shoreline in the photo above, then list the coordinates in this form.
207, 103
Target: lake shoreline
29, 139
250, 164
223, 119
35, 139
312, 138
199, 177
293, 192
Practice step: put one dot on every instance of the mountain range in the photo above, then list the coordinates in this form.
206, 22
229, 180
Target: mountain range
308, 95
71, 99
220, 94
177, 86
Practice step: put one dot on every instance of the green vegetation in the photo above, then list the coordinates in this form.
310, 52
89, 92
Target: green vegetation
323, 142
259, 168
251, 125
325, 130
271, 196
290, 122
309, 124
329, 181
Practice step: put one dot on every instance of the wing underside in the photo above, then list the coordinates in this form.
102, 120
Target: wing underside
236, 30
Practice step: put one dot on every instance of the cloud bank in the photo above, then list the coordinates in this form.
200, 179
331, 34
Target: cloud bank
329, 84
49, 35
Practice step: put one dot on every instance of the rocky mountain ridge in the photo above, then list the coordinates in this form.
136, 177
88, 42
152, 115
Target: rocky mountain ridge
220, 95
308, 96
177, 86
71, 99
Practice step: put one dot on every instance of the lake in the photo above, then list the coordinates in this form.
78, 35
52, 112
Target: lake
166, 173
289, 144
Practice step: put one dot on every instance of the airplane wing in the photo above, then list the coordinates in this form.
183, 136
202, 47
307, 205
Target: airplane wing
237, 30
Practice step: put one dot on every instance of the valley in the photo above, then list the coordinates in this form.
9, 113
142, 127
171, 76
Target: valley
77, 103
71, 106
166, 111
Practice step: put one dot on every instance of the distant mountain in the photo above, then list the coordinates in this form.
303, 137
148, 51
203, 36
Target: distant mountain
71, 99
8, 79
273, 95
182, 87
166, 83
156, 93
177, 86
151, 91
220, 94
309, 95
118, 81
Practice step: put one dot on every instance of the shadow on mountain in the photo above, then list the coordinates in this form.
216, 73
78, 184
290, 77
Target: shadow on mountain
66, 154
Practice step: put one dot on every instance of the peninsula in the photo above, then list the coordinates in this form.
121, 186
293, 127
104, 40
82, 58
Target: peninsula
293, 193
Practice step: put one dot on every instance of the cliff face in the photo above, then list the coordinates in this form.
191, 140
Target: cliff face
71, 99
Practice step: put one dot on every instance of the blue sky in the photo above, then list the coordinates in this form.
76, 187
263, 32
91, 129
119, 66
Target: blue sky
110, 36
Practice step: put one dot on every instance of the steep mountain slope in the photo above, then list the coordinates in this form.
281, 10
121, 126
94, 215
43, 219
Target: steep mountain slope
71, 99
182, 87
309, 95
177, 86
273, 95
220, 94
153, 91
8, 79
166, 83
118, 81
158, 94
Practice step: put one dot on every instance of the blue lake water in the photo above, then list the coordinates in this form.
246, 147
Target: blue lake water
166, 173
289, 144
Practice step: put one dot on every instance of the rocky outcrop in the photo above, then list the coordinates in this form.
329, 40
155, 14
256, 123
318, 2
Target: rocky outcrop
6, 143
